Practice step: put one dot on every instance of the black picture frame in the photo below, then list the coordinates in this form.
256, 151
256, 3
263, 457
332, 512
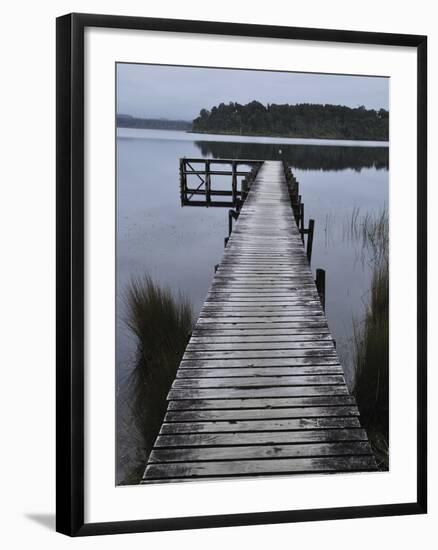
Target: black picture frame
70, 273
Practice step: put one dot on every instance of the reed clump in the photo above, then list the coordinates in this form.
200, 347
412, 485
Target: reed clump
371, 337
162, 324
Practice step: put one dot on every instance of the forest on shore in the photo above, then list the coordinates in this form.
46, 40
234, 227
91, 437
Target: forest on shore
303, 120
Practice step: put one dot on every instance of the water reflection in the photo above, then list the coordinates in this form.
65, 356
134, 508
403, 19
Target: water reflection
303, 157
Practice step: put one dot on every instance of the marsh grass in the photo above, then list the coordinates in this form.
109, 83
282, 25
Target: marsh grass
162, 325
371, 233
371, 335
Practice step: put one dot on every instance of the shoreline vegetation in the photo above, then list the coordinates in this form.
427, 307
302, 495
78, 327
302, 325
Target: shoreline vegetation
161, 324
371, 335
301, 121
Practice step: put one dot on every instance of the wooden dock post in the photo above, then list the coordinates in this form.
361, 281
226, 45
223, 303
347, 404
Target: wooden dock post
234, 182
183, 181
207, 183
320, 285
310, 240
232, 215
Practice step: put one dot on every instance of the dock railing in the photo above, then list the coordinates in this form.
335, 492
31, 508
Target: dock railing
197, 187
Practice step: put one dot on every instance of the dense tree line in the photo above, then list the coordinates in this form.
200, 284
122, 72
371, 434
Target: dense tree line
128, 121
303, 120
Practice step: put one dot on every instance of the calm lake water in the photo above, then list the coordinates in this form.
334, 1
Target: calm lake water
179, 246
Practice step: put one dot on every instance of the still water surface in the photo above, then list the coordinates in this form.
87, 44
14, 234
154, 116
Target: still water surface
179, 246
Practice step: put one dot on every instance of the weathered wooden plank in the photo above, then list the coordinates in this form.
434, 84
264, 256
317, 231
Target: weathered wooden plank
295, 333
258, 362
263, 277
262, 338
282, 289
292, 272
262, 243
265, 320
257, 371
245, 392
267, 272
261, 403
253, 266
232, 251
263, 304
292, 255
265, 289
261, 438
315, 326
264, 246
268, 258
258, 262
264, 313
218, 301
239, 269
262, 326
253, 467
207, 313
266, 425
263, 280
258, 354
266, 294
306, 450
259, 381
264, 250
259, 414
242, 346
258, 272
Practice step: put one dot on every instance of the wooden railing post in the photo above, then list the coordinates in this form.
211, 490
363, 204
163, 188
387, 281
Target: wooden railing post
232, 214
183, 181
207, 183
302, 219
320, 286
310, 239
234, 183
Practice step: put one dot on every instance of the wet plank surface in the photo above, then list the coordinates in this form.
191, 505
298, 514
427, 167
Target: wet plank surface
260, 390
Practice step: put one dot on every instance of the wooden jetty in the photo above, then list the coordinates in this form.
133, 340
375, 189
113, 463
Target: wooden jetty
260, 390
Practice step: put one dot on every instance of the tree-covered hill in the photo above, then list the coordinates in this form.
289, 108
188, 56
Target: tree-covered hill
303, 120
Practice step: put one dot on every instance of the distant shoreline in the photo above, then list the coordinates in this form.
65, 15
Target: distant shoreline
289, 136
176, 128
279, 136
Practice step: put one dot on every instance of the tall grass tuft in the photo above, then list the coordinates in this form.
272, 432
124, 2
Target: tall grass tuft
162, 325
371, 338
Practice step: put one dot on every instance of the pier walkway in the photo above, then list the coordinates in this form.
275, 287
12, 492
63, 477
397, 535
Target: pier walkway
260, 390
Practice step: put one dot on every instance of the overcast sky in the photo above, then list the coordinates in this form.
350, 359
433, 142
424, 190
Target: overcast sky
181, 92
